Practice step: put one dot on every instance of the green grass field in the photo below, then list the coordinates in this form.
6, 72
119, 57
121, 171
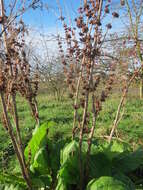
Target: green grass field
130, 128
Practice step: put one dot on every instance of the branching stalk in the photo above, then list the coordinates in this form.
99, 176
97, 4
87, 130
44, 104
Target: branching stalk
117, 118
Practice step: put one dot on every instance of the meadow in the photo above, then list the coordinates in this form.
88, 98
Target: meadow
60, 116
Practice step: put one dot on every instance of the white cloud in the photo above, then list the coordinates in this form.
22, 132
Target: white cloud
43, 40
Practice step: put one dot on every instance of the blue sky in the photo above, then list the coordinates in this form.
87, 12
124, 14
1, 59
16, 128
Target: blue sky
46, 20
47, 17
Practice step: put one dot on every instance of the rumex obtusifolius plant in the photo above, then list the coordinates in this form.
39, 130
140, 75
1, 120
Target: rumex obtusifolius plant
15, 79
81, 59
81, 62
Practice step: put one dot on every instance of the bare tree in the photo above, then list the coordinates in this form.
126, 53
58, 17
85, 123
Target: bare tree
50, 68
135, 10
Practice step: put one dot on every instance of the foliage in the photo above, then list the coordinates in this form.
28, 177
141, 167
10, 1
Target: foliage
102, 162
56, 164
130, 128
107, 183
45, 156
102, 155
129, 162
38, 140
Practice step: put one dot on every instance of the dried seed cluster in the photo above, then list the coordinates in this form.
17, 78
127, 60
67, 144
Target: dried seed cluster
81, 57
15, 76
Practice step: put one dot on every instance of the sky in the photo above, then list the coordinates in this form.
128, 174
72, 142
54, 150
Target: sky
45, 21
48, 18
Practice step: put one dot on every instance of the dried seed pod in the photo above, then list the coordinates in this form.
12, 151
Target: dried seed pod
103, 96
115, 14
86, 130
98, 23
80, 10
68, 36
1, 19
85, 29
79, 22
86, 6
106, 9
122, 2
98, 106
81, 34
82, 102
109, 26
71, 95
76, 107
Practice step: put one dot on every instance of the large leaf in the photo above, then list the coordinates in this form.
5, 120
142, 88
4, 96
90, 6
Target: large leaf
113, 149
102, 155
125, 180
70, 171
54, 155
99, 162
99, 165
40, 163
106, 183
38, 140
68, 151
41, 181
128, 162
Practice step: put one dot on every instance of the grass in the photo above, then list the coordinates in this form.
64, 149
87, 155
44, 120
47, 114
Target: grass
131, 125
61, 115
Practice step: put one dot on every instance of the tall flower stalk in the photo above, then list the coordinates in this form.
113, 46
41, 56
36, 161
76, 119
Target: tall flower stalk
15, 79
81, 59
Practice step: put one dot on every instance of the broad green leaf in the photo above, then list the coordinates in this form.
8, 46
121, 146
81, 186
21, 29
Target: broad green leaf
128, 162
69, 171
69, 150
99, 165
125, 180
40, 163
41, 181
54, 155
113, 149
106, 183
38, 140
